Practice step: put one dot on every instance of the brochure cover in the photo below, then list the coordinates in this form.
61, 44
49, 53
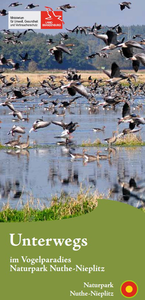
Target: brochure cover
72, 178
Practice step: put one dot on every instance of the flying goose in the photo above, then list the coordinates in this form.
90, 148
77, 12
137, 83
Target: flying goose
124, 4
14, 4
39, 124
30, 6
137, 59
16, 129
109, 38
70, 126
65, 7
3, 12
57, 52
127, 47
129, 130
25, 57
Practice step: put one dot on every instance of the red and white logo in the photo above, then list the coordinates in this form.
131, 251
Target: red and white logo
51, 19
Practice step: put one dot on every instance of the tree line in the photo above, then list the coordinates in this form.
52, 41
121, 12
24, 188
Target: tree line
36, 45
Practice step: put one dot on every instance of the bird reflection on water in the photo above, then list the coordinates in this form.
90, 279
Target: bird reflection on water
47, 172
10, 189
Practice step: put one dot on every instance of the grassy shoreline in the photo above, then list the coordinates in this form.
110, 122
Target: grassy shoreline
122, 142
61, 208
58, 210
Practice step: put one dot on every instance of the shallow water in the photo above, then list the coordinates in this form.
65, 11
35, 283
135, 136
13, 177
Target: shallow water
41, 172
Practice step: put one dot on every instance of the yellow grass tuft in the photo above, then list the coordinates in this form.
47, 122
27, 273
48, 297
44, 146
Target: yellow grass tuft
129, 139
88, 143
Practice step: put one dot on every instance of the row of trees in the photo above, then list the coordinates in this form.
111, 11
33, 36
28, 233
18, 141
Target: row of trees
35, 44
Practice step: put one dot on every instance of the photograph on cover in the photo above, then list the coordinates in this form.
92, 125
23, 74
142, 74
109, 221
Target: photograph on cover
72, 137
72, 110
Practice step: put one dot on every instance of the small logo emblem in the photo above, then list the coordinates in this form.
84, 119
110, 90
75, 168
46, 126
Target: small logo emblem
51, 19
129, 289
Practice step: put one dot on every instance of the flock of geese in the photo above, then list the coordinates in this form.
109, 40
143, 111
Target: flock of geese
111, 91
4, 12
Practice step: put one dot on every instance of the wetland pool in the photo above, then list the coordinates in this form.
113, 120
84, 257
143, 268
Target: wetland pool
46, 169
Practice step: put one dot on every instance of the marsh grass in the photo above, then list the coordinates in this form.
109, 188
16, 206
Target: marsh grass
127, 140
130, 140
3, 147
88, 143
62, 207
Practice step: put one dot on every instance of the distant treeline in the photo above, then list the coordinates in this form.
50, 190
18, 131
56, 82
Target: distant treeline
35, 44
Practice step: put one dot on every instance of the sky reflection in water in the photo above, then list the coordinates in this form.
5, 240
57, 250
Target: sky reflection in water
48, 170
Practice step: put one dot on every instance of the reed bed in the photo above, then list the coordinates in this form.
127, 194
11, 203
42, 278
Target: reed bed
62, 207
88, 143
130, 140
127, 140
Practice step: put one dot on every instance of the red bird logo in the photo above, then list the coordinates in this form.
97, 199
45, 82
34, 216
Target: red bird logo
52, 16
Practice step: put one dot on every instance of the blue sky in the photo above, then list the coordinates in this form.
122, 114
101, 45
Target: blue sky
86, 13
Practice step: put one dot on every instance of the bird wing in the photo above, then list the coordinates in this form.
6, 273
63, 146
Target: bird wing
102, 36
112, 37
127, 4
18, 94
58, 123
62, 7
135, 65
132, 183
77, 97
115, 70
42, 124
131, 125
126, 110
108, 73
10, 106
81, 90
26, 56
133, 44
58, 56
141, 57
64, 49
127, 52
71, 90
122, 6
